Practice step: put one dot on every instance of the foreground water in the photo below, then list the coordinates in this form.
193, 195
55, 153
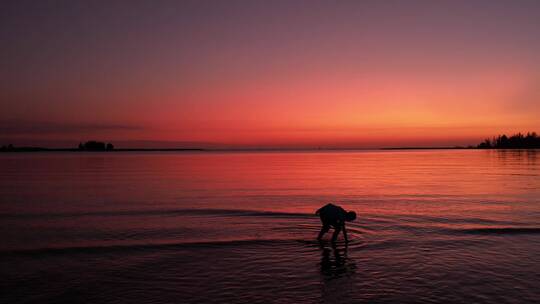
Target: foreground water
434, 226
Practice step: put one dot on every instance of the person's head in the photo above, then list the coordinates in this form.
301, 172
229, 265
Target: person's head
351, 216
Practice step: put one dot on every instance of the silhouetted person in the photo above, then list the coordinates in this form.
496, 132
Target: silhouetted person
334, 216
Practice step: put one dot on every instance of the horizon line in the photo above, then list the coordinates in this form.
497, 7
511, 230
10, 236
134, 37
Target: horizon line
44, 149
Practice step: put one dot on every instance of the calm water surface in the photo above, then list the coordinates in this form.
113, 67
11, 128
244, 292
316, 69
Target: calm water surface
437, 226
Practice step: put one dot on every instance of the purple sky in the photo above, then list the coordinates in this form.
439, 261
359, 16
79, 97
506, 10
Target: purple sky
268, 73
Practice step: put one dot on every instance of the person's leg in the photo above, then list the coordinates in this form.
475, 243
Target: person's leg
324, 230
337, 230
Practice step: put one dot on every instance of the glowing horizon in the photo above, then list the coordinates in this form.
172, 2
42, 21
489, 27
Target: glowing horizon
260, 74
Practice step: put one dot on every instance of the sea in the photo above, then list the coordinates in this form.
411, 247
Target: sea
433, 226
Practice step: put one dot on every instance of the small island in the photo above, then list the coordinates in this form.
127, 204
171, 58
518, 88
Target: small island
96, 146
91, 145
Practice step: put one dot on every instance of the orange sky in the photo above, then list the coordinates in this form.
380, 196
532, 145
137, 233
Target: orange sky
269, 74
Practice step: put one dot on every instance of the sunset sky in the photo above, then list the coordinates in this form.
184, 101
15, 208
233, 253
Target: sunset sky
268, 73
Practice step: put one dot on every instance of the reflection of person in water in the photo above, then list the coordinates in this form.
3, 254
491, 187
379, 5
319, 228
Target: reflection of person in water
338, 275
335, 262
334, 216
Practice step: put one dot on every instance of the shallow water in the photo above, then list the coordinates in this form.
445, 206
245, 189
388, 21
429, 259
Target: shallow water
433, 226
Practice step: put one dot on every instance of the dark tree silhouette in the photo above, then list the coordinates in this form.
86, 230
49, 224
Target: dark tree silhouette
95, 146
9, 147
516, 141
485, 145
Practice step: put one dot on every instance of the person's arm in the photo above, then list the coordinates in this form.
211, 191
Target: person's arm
345, 233
324, 230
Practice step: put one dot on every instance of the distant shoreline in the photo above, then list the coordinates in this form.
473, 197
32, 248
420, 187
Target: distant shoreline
41, 149
518, 141
427, 148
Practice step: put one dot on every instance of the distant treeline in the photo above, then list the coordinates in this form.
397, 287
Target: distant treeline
516, 141
96, 146
11, 148
87, 146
